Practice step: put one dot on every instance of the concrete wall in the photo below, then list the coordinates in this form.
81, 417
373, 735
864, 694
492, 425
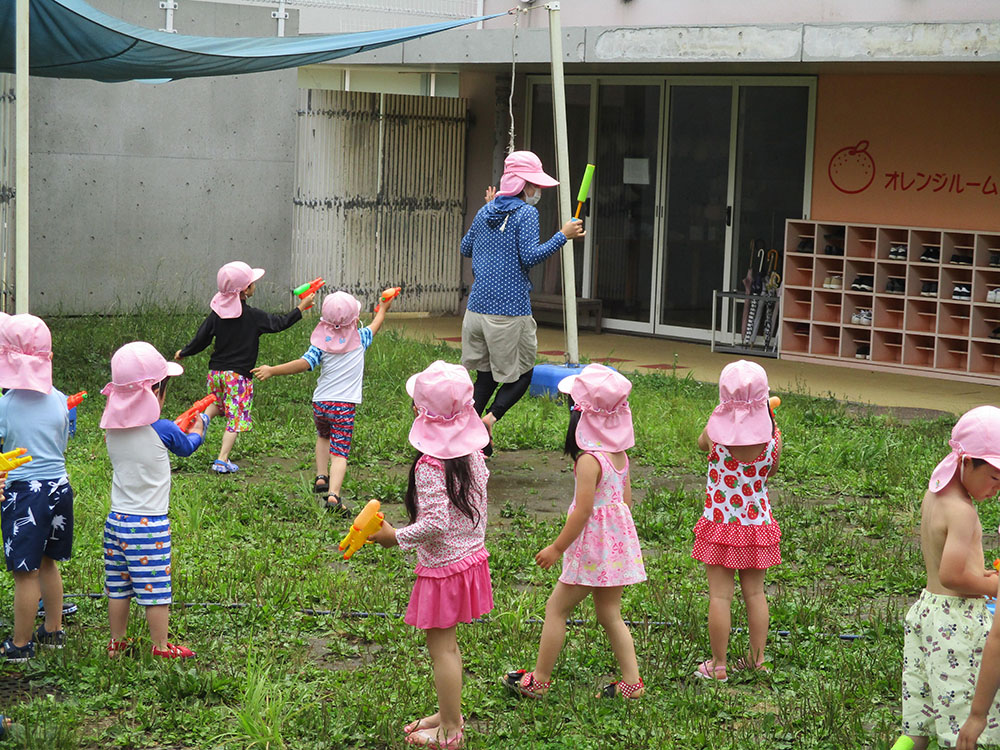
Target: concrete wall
140, 192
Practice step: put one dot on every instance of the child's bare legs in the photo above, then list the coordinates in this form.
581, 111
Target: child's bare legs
158, 618
608, 603
228, 441
338, 470
118, 617
562, 601
721, 585
51, 585
443, 648
758, 614
26, 593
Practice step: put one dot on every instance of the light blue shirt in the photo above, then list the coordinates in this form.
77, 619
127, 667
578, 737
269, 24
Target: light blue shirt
40, 423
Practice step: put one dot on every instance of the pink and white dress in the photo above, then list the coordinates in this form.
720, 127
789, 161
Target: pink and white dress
737, 529
453, 575
607, 551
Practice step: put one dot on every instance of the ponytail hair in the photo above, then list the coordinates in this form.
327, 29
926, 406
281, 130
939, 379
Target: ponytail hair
571, 448
457, 481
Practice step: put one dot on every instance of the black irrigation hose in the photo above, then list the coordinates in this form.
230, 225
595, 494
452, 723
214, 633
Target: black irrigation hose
354, 614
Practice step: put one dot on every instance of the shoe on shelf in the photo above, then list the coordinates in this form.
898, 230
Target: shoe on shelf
173, 652
961, 292
836, 282
863, 283
805, 245
864, 352
991, 295
995, 333
856, 318
897, 252
961, 260
826, 282
55, 639
932, 289
931, 254
923, 289
866, 317
994, 259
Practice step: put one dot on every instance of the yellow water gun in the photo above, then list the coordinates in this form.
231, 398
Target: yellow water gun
12, 459
368, 521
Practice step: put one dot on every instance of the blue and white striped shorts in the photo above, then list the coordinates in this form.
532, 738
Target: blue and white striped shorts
137, 558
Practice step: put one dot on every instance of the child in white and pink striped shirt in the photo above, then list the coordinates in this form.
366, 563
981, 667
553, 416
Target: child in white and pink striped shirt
446, 503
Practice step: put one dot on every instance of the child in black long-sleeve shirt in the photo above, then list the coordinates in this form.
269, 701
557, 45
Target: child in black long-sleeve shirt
236, 328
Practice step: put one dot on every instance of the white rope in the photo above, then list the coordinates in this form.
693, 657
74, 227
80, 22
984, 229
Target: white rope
513, 64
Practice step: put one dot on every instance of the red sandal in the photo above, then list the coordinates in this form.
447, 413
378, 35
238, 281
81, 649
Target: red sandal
524, 683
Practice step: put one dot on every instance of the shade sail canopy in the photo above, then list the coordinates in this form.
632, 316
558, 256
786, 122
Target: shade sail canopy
70, 39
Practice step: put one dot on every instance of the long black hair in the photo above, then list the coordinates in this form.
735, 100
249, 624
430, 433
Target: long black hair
457, 480
571, 448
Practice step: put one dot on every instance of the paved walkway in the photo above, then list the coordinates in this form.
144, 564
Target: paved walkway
647, 354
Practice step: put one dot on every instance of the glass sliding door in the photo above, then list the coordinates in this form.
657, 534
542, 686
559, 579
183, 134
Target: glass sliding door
770, 171
547, 276
697, 206
624, 190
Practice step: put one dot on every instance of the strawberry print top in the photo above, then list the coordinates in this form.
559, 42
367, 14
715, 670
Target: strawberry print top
737, 528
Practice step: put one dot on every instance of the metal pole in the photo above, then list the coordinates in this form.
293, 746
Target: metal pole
562, 170
21, 230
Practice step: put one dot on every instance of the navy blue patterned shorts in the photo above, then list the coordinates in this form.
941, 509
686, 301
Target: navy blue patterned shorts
36, 518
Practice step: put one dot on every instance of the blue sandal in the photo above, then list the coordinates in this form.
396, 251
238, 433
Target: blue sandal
224, 467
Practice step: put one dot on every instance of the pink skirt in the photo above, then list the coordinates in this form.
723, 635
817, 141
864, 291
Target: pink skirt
444, 597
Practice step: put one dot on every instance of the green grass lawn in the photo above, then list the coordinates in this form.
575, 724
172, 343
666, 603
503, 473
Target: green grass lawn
291, 667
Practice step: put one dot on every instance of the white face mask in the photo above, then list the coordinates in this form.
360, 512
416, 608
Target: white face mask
533, 199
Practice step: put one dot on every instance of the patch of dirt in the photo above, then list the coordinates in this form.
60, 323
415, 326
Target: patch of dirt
901, 414
319, 654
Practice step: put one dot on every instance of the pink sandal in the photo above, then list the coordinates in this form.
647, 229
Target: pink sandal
707, 671
420, 737
413, 726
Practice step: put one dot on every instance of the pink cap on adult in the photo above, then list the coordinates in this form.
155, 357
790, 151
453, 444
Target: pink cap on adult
601, 394
135, 369
976, 435
337, 330
446, 425
742, 416
519, 168
25, 354
232, 279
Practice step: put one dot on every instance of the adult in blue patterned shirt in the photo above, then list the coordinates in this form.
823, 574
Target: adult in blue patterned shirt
498, 332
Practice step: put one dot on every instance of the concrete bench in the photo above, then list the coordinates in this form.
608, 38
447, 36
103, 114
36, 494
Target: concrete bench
549, 307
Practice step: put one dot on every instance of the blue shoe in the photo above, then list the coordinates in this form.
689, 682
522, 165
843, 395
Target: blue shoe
43, 637
16, 654
68, 608
224, 467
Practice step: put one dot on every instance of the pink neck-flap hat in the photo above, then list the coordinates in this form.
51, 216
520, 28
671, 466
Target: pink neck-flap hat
521, 167
232, 279
337, 330
601, 394
135, 369
25, 354
976, 435
446, 425
742, 416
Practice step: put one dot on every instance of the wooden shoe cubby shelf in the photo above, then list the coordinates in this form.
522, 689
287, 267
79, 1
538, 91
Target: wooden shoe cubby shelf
930, 334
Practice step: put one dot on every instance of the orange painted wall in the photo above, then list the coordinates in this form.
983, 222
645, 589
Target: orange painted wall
930, 138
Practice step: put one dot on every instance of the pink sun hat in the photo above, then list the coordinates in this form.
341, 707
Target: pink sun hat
521, 167
135, 369
337, 330
742, 416
446, 425
232, 279
25, 354
601, 394
976, 435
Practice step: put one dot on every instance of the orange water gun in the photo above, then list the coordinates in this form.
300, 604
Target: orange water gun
75, 400
774, 402
186, 420
310, 287
368, 521
12, 459
386, 296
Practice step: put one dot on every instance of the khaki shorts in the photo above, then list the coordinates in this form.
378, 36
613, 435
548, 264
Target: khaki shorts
503, 344
943, 639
